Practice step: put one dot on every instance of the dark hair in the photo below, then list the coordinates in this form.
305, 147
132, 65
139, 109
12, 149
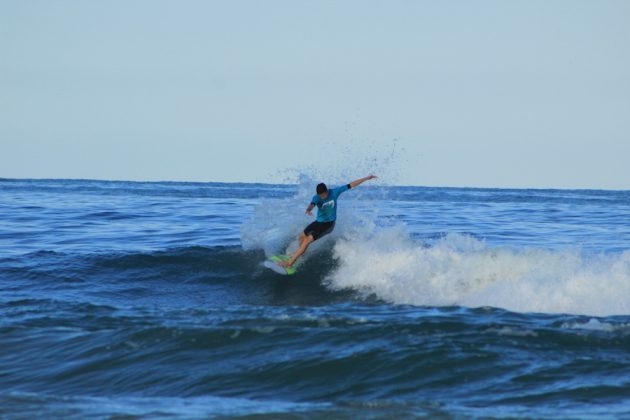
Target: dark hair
321, 188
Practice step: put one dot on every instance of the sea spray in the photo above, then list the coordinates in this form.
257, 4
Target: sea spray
277, 222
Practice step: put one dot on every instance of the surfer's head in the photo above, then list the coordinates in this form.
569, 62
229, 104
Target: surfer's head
322, 190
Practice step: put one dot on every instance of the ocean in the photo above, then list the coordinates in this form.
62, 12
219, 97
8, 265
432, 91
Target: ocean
149, 300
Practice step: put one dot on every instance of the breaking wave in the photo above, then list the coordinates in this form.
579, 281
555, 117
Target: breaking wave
462, 270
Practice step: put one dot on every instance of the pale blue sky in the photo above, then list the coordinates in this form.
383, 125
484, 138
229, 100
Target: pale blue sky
477, 93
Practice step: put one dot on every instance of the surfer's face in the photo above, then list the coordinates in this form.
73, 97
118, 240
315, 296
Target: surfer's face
324, 195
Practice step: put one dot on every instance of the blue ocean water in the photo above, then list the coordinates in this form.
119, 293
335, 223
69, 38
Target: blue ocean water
149, 300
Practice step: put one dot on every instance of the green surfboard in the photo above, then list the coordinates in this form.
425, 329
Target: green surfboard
272, 264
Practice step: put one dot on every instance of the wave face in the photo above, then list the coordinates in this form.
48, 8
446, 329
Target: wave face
124, 299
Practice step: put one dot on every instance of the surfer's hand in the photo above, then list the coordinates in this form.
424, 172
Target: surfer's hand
309, 212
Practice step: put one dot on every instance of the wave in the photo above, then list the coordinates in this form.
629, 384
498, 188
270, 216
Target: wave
368, 263
30, 404
177, 277
358, 261
462, 270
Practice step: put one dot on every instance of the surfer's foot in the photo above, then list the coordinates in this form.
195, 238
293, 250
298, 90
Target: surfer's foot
284, 264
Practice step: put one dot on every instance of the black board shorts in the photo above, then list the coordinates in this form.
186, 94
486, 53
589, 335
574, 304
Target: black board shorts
319, 229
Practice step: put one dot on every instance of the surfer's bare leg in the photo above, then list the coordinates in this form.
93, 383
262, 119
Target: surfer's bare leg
305, 241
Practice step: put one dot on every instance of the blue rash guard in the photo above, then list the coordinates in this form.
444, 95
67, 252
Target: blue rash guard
327, 209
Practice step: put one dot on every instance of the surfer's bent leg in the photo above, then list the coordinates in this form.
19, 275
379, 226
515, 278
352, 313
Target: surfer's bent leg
308, 239
313, 232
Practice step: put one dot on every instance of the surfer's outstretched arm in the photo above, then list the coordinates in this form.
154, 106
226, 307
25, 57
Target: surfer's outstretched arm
358, 182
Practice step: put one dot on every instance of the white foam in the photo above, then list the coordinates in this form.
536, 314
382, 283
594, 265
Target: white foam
461, 270
512, 332
596, 325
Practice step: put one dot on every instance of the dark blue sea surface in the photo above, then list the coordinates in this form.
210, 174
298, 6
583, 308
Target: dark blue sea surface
149, 300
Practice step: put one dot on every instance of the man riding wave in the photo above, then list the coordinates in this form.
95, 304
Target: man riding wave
326, 202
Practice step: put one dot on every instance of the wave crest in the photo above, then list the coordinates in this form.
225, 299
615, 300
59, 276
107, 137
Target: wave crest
462, 270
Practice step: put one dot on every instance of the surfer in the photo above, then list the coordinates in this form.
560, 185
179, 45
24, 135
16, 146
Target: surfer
326, 202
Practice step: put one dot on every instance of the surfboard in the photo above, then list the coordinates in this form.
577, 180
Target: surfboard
271, 264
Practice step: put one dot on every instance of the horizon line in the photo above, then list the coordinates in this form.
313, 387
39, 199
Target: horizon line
292, 184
